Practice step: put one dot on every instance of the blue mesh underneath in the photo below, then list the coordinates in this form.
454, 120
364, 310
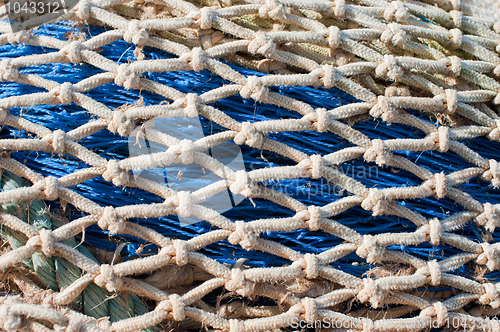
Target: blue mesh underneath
309, 191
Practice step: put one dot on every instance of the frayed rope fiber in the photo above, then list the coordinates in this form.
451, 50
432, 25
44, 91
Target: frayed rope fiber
56, 273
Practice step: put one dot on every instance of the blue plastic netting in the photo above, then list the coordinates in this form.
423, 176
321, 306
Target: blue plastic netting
308, 191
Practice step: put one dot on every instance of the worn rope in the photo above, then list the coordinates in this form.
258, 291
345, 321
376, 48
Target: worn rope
57, 273
390, 42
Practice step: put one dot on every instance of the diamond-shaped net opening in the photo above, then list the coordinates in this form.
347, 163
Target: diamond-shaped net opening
251, 166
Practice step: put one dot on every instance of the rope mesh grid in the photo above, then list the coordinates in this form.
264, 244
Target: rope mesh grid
419, 46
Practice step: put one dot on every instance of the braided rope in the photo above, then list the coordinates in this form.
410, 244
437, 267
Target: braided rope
395, 45
57, 273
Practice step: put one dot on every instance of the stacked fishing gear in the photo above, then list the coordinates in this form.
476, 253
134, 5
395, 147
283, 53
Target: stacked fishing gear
251, 166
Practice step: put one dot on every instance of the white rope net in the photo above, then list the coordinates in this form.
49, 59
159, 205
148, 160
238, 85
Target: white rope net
360, 47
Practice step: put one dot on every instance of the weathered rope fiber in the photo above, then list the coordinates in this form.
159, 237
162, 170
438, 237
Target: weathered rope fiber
72, 118
56, 273
424, 56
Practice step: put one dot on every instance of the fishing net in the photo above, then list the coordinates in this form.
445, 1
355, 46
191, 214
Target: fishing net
367, 199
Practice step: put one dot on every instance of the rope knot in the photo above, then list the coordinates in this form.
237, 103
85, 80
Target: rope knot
375, 202
433, 229
126, 78
64, 92
496, 101
47, 242
435, 272
456, 16
371, 292
178, 307
455, 4
456, 65
261, 44
115, 174
396, 10
206, 17
456, 38
51, 190
181, 252
384, 108
496, 70
120, 123
312, 266
490, 217
377, 152
249, 135
389, 67
397, 91
329, 75
495, 132
437, 309
441, 138
432, 270
339, 10
490, 256
135, 34
312, 217
440, 185
394, 34
83, 10
316, 163
490, 296
311, 309
108, 279
255, 89
450, 97
334, 37
57, 139
321, 120
192, 104
196, 59
242, 184
243, 235
451, 100
7, 71
186, 151
272, 9
493, 173
185, 204
370, 250
110, 221
74, 52
237, 283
